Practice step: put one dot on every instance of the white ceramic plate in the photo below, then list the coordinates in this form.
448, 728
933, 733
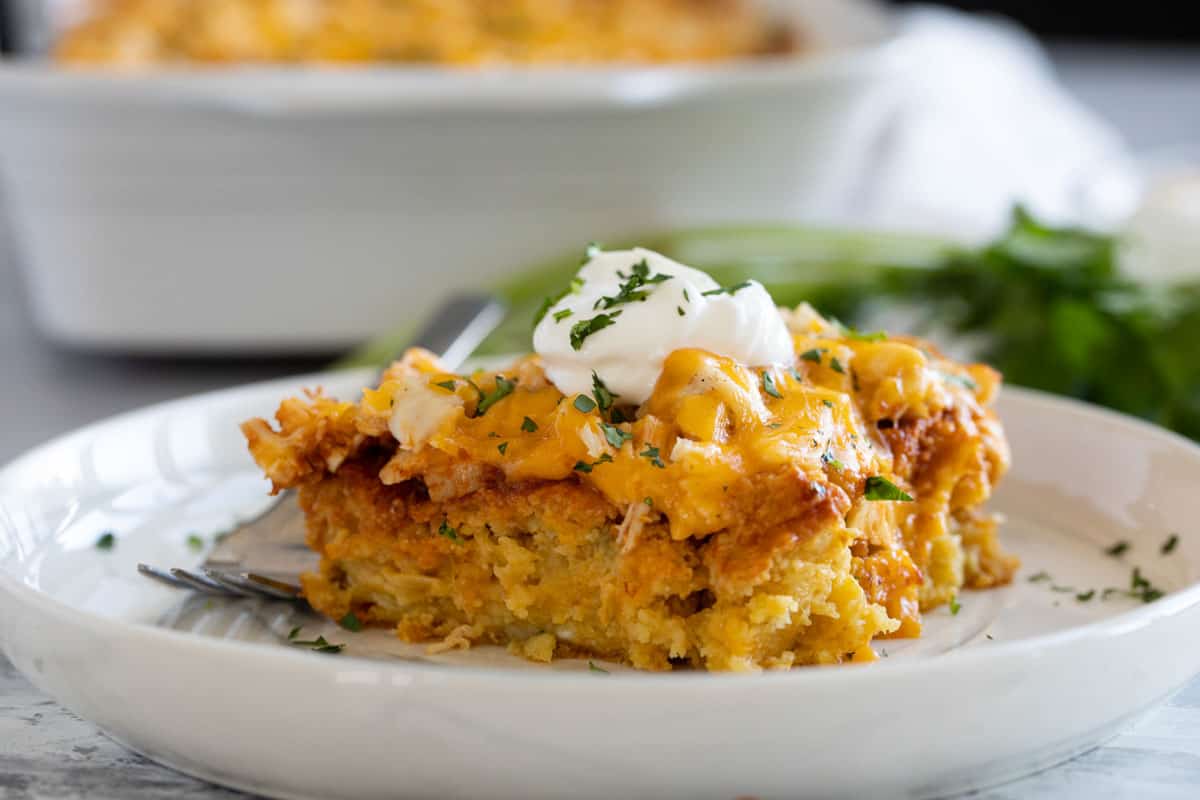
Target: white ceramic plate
1021, 678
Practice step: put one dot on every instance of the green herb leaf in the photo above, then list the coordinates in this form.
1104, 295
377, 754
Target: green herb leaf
574, 286
604, 398
559, 316
633, 289
651, 454
350, 622
293, 633
827, 403
195, 543
593, 668
583, 466
813, 355
1083, 597
1039, 577
876, 336
449, 386
737, 287
1142, 589
528, 425
648, 501
679, 310
504, 388
836, 366
445, 530
615, 436
583, 329
107, 541
502, 447
880, 488
1170, 544
954, 605
319, 645
584, 403
827, 457
768, 385
1118, 549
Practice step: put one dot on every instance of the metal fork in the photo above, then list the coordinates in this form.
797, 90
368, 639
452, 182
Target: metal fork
262, 557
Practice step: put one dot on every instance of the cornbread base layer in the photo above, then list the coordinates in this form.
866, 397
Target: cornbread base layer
540, 567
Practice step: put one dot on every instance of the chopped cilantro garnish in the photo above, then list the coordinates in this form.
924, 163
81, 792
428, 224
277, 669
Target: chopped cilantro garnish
1118, 549
318, 645
1063, 589
875, 336
194, 542
651, 454
634, 288
955, 606
450, 533
828, 458
604, 398
107, 541
774, 425
615, 436
1170, 544
1083, 597
584, 328
593, 668
559, 316
293, 633
737, 287
827, 403
686, 296
617, 416
584, 403
350, 622
574, 286
795, 373
504, 387
836, 366
447, 385
648, 501
583, 466
768, 384
502, 447
1142, 589
880, 488
813, 355
679, 310
1039, 577
528, 425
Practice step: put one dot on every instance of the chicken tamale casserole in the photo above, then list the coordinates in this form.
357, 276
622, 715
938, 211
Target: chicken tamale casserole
454, 32
682, 475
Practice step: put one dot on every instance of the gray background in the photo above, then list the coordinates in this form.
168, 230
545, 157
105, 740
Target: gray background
1151, 95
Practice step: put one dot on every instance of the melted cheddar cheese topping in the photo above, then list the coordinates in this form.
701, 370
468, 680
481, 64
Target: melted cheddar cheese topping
709, 423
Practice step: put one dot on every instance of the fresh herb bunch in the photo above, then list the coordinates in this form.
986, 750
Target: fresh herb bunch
1046, 306
1050, 310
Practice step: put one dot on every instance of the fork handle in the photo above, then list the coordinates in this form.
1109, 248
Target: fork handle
459, 325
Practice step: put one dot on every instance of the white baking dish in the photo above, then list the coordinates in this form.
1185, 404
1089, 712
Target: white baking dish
274, 209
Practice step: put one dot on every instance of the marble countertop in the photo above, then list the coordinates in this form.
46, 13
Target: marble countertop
48, 752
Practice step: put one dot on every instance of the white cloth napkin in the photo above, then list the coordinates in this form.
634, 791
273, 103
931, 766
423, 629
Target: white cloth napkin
981, 123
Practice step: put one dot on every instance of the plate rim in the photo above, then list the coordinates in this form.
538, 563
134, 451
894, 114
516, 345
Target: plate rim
1123, 623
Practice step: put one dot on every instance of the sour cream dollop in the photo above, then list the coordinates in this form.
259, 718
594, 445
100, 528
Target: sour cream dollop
623, 319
